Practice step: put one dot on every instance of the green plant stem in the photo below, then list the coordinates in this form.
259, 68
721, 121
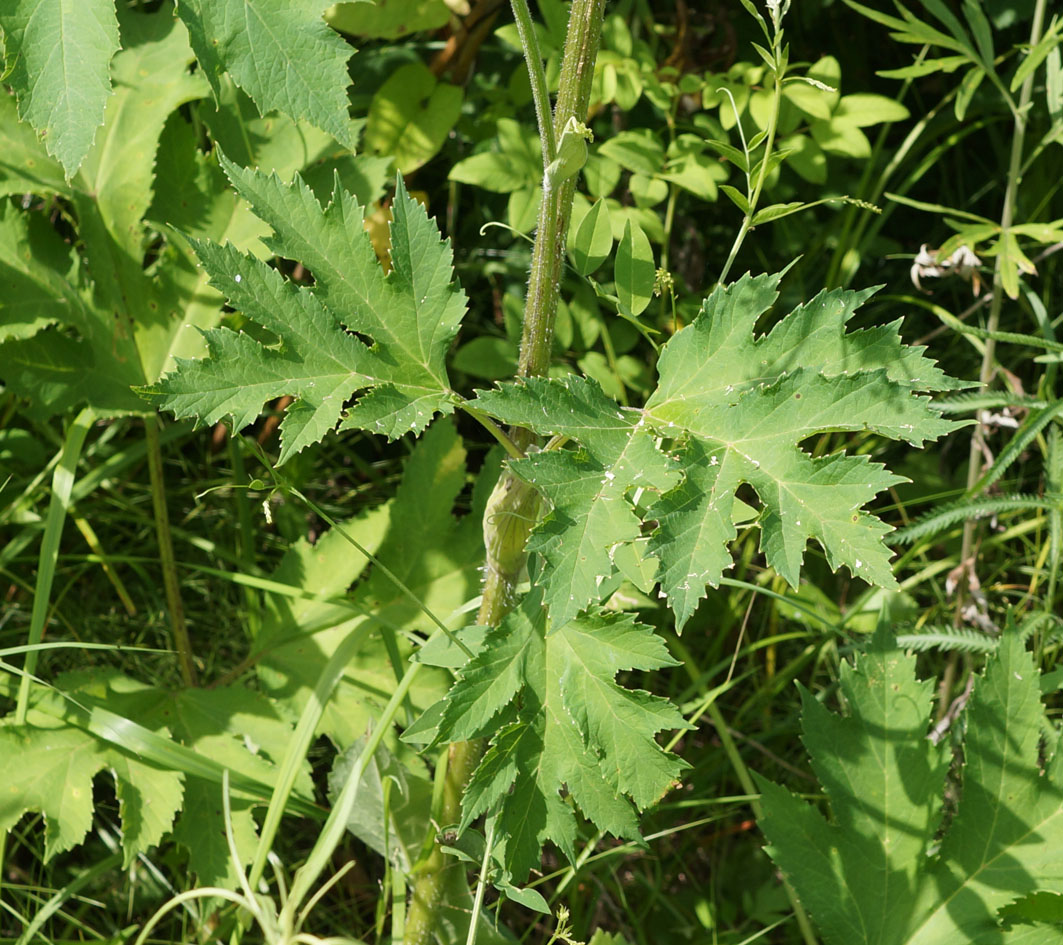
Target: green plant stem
167, 560
533, 58
754, 197
481, 884
746, 780
988, 367
573, 97
513, 506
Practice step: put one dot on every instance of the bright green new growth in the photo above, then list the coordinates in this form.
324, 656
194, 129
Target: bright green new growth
878, 872
410, 315
731, 409
546, 694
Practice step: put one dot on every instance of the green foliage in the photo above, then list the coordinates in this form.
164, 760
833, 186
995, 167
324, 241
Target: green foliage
183, 182
737, 407
435, 555
545, 692
58, 56
411, 115
234, 728
634, 271
877, 871
54, 776
592, 241
280, 53
411, 314
129, 322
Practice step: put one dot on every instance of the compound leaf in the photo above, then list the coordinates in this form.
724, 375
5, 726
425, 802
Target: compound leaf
870, 873
735, 409
411, 315
58, 53
547, 696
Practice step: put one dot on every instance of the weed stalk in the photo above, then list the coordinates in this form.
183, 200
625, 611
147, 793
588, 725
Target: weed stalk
167, 560
512, 509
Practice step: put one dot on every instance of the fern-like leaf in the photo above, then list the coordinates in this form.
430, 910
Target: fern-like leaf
947, 639
965, 510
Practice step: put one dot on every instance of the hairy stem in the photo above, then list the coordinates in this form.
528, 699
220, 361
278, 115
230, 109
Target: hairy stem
513, 507
167, 560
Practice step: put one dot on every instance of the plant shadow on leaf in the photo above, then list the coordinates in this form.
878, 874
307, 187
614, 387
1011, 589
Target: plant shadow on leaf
434, 553
878, 872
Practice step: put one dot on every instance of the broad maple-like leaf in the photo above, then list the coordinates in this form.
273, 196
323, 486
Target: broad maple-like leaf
871, 873
411, 315
734, 409
548, 697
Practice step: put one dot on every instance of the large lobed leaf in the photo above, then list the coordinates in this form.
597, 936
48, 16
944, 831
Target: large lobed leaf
734, 409
878, 870
410, 315
60, 753
547, 696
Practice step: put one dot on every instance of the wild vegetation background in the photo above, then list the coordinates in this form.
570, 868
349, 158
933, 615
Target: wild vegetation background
193, 588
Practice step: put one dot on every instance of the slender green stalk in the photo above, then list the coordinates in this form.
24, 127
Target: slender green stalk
533, 58
513, 506
170, 583
336, 825
62, 486
573, 98
769, 143
481, 885
985, 376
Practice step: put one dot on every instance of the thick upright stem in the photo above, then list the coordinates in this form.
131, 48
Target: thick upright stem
512, 509
167, 560
544, 284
